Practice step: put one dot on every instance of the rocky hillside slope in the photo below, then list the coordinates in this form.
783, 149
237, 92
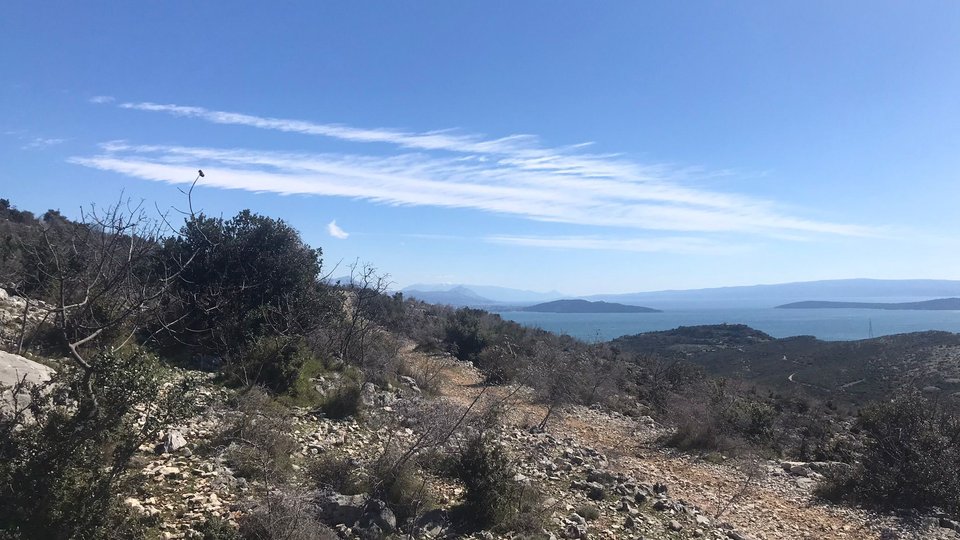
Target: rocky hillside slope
604, 475
600, 474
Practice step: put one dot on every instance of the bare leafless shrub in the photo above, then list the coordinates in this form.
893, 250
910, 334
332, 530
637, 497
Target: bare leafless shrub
427, 372
381, 358
338, 472
259, 444
284, 515
751, 472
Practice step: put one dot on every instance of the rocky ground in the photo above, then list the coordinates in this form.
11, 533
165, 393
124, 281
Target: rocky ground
603, 475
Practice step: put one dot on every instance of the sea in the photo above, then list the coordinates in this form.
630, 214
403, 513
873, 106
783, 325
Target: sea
825, 324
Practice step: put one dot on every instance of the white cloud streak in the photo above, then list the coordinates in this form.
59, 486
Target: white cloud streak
42, 142
102, 99
336, 232
671, 244
512, 175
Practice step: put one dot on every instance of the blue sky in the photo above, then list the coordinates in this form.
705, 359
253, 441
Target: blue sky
581, 146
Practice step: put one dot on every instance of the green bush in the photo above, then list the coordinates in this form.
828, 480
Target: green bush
343, 401
64, 462
273, 362
216, 528
494, 500
911, 458
463, 334
401, 485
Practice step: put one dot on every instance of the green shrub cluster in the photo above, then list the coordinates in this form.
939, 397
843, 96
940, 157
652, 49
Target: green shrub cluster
911, 458
494, 500
64, 461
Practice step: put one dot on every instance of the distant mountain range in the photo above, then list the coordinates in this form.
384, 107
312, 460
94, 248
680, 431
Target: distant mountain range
766, 296
942, 304
457, 296
882, 291
583, 306
477, 295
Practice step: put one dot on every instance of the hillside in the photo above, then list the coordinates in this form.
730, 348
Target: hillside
938, 304
849, 371
584, 306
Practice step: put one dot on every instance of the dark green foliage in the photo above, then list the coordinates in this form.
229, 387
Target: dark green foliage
879, 366
911, 459
273, 361
251, 277
464, 335
343, 401
494, 500
63, 464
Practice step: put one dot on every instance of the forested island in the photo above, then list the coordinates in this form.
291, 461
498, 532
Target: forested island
585, 306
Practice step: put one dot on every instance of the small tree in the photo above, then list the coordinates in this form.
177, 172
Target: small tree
363, 303
252, 278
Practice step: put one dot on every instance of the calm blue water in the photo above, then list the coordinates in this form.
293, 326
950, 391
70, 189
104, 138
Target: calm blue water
826, 324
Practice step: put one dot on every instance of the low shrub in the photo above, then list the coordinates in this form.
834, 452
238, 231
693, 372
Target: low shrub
64, 461
911, 458
284, 516
494, 500
337, 472
588, 512
273, 362
343, 401
259, 441
216, 528
402, 486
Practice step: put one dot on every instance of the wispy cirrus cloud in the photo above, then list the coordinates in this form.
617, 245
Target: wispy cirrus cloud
514, 175
665, 244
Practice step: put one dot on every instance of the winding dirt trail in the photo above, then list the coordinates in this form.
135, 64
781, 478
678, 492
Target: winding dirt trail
776, 507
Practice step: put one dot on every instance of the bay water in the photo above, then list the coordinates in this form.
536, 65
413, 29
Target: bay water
825, 324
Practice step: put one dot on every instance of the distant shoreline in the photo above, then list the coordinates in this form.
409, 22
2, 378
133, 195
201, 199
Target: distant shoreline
940, 304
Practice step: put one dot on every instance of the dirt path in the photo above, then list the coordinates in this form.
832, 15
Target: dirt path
776, 508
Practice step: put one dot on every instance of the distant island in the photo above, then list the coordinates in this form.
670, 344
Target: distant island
584, 306
928, 305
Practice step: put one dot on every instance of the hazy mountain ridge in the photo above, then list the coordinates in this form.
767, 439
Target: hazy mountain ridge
585, 306
457, 297
485, 294
937, 304
770, 295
